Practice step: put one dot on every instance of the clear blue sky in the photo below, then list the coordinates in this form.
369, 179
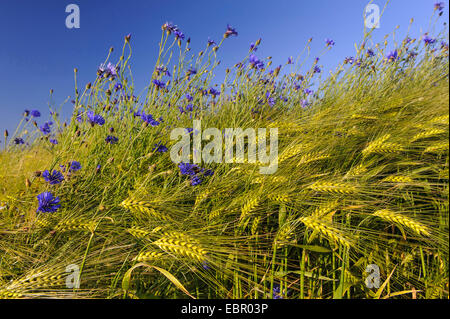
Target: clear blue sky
38, 52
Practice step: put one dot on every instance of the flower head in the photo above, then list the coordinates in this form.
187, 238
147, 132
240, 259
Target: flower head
148, 118
392, 56
439, 6
255, 63
110, 139
428, 40
18, 140
95, 118
230, 31
160, 148
196, 180
53, 177
74, 166
53, 141
188, 169
211, 42
45, 128
159, 84
48, 203
179, 35
35, 113
329, 42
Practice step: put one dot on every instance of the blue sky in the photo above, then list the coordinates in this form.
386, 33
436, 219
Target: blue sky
38, 52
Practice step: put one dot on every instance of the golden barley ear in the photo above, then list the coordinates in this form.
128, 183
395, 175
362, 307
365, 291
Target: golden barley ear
398, 218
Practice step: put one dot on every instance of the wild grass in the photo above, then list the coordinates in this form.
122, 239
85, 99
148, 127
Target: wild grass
362, 179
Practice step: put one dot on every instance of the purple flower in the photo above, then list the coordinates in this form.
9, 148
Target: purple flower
307, 91
110, 139
109, 70
159, 84
188, 169
392, 56
53, 177
189, 108
329, 42
19, 140
317, 69
214, 92
255, 63
191, 71
35, 113
95, 118
349, 60
189, 97
428, 40
48, 203
45, 128
74, 166
53, 141
160, 148
148, 118
230, 31
290, 60
169, 27
196, 180
179, 35
370, 53
253, 47
211, 42
439, 6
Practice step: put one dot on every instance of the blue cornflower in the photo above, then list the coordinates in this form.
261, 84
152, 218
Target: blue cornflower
428, 40
370, 53
349, 60
95, 118
307, 91
109, 70
444, 45
211, 42
118, 86
255, 62
179, 35
253, 47
188, 97
189, 108
439, 6
317, 69
191, 71
230, 31
148, 118
111, 139
35, 113
392, 56
329, 42
160, 148
276, 292
290, 60
74, 166
188, 169
214, 92
169, 27
181, 109
53, 177
48, 203
196, 180
271, 101
159, 84
45, 128
19, 140
53, 141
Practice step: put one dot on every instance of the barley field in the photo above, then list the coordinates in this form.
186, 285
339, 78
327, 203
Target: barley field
358, 207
